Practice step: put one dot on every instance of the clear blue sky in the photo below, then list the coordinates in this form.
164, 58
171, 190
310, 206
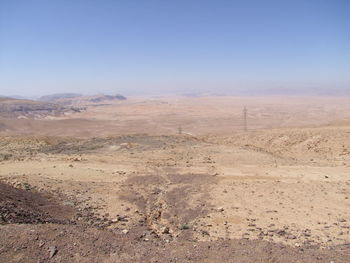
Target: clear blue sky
173, 46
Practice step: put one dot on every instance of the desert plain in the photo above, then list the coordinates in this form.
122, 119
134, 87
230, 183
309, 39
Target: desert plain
177, 179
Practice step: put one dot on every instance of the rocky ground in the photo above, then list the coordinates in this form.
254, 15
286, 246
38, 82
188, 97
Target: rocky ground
265, 196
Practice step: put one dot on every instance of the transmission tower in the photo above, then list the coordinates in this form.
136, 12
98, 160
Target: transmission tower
245, 128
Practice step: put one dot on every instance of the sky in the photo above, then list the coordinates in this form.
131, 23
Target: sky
143, 47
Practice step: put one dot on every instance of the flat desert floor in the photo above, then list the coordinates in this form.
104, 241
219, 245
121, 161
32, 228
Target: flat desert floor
119, 183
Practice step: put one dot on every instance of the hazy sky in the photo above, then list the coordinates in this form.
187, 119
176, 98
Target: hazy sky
173, 46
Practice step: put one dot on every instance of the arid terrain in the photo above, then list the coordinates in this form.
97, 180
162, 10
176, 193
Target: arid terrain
84, 118
177, 179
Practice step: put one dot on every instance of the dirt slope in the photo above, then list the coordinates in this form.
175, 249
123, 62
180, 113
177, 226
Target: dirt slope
279, 195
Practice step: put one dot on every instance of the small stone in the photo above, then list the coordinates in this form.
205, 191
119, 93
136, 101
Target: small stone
125, 231
164, 230
52, 251
281, 232
220, 209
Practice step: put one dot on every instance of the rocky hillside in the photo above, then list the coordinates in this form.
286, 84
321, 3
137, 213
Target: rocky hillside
79, 99
327, 145
101, 98
10, 108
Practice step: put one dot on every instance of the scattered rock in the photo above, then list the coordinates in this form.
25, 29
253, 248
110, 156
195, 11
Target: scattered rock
52, 251
164, 230
184, 227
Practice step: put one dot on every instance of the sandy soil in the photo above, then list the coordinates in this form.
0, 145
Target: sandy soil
271, 195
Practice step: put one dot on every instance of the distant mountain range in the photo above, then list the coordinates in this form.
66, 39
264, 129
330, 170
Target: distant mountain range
66, 96
59, 96
70, 98
273, 91
10, 107
54, 105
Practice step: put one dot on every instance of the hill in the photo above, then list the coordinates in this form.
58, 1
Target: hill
59, 96
17, 108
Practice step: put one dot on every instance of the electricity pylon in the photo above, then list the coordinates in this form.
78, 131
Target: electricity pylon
245, 128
